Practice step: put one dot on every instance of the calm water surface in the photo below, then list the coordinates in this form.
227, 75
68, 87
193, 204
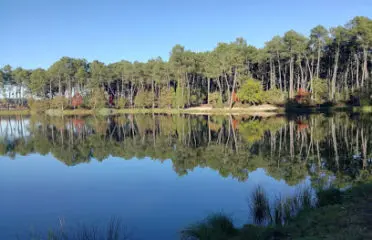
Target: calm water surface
159, 174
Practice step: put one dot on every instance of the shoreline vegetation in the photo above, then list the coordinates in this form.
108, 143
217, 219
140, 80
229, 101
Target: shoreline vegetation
265, 110
259, 110
327, 214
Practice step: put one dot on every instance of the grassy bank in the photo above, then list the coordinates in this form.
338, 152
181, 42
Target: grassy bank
14, 112
259, 110
337, 215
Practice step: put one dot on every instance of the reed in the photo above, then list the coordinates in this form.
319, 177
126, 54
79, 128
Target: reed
214, 227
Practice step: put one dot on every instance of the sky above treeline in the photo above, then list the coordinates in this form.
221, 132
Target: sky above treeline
36, 33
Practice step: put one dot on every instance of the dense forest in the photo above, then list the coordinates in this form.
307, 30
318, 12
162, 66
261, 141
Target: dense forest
330, 65
315, 145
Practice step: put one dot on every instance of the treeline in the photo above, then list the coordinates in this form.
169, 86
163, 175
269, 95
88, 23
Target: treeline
330, 65
314, 146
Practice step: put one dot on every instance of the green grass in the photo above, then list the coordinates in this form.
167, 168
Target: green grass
113, 111
347, 217
364, 109
14, 112
147, 110
68, 112
338, 215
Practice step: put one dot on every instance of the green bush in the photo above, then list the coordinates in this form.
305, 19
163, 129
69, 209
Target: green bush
144, 99
251, 92
342, 96
180, 99
38, 105
320, 90
59, 102
215, 100
166, 98
275, 96
97, 99
121, 103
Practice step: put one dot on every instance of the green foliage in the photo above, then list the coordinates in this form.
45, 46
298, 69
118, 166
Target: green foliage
166, 97
252, 131
104, 111
295, 42
144, 99
215, 100
97, 99
364, 96
38, 105
121, 103
180, 100
59, 102
251, 92
342, 96
197, 97
343, 52
98, 74
320, 90
274, 96
38, 80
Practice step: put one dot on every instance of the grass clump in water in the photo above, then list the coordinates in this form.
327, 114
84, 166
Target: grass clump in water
114, 231
259, 206
214, 227
329, 196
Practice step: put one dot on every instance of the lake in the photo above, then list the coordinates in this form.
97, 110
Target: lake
160, 173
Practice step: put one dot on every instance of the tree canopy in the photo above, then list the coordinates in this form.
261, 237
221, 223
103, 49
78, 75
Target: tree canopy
341, 56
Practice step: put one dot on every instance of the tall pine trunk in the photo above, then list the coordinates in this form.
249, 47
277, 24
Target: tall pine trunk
291, 93
233, 88
334, 76
318, 60
365, 66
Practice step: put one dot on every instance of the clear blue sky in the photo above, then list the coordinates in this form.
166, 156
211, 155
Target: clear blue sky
35, 33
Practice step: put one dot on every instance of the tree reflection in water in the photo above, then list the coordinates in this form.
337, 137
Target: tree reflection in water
335, 147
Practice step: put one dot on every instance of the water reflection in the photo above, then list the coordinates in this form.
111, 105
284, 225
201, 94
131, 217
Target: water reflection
137, 166
315, 145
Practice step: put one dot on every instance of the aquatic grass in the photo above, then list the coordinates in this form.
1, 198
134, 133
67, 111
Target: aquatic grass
351, 219
88, 233
278, 212
305, 198
287, 209
115, 230
329, 196
214, 227
282, 209
260, 206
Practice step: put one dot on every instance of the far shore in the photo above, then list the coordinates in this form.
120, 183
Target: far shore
258, 110
265, 110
